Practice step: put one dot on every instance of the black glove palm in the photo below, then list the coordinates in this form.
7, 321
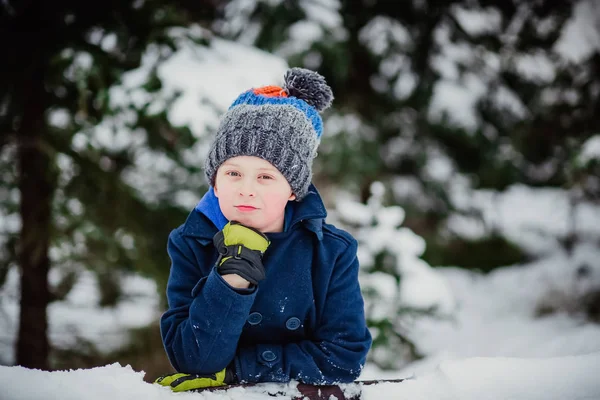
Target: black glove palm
241, 249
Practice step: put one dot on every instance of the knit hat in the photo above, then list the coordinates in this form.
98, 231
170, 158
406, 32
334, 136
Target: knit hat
279, 124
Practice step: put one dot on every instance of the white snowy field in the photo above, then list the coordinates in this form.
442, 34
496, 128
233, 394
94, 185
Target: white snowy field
572, 377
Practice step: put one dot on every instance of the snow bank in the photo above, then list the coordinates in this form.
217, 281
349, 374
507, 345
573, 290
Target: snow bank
501, 378
496, 317
475, 378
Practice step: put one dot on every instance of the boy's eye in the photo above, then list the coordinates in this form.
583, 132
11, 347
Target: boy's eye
265, 177
232, 173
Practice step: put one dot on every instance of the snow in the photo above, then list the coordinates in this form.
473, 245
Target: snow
323, 12
536, 67
500, 378
535, 218
497, 315
580, 37
322, 22
192, 96
59, 118
202, 101
475, 378
406, 82
223, 58
419, 287
302, 35
590, 150
378, 230
382, 33
506, 99
78, 317
455, 97
478, 21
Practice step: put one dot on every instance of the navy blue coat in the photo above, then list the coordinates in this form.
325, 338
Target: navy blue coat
305, 321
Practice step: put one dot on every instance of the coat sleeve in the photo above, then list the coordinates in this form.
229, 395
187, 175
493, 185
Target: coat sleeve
201, 328
338, 348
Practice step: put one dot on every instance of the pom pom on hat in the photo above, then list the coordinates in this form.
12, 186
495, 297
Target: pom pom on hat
309, 86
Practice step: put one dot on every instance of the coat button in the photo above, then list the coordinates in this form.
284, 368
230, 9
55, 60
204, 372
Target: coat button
292, 324
268, 356
254, 318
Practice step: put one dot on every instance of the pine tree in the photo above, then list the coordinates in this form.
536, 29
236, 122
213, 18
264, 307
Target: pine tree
72, 193
432, 97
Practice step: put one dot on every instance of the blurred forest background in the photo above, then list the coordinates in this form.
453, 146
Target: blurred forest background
441, 108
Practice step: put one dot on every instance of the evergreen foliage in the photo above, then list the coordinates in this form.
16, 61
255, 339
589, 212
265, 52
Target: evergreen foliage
429, 96
483, 88
79, 202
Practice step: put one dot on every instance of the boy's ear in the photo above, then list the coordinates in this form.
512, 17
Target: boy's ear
215, 190
292, 197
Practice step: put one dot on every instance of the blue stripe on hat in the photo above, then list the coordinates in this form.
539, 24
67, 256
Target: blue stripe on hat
249, 97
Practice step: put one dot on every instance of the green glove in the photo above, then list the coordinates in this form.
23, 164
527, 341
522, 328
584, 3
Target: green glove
241, 250
180, 382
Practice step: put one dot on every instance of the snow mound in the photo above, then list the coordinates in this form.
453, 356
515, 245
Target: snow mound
571, 377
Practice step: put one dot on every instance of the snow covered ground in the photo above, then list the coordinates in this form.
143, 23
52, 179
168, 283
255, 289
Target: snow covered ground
562, 378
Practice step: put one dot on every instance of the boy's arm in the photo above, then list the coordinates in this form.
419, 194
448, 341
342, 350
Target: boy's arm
201, 329
338, 350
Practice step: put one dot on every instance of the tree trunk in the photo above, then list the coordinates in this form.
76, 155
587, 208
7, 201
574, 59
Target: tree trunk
36, 184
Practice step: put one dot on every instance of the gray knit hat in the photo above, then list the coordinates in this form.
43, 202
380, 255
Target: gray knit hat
279, 124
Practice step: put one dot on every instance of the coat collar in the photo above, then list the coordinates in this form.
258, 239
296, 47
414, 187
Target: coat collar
206, 218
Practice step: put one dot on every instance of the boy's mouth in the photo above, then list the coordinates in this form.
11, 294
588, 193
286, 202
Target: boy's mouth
245, 208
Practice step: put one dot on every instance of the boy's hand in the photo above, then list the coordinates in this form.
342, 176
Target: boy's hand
241, 250
180, 382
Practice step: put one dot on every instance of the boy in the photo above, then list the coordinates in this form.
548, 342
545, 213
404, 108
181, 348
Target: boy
261, 289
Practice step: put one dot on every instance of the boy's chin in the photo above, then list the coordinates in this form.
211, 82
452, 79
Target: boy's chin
246, 222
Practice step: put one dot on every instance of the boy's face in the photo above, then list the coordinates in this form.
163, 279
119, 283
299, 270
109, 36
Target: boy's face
253, 192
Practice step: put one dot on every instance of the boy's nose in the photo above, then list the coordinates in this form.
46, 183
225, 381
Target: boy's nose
246, 189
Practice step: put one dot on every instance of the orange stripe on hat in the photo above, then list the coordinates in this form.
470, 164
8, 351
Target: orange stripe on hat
271, 91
